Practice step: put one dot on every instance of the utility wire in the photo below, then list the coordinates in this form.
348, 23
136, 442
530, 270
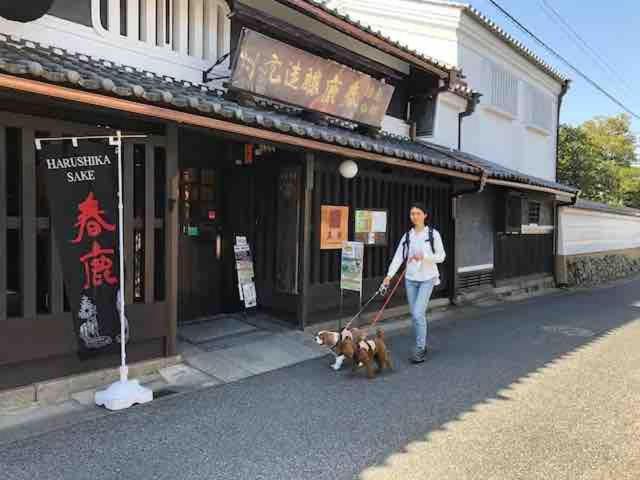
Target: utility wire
582, 43
565, 61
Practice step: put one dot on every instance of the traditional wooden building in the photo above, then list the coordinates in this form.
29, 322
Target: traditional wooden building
219, 163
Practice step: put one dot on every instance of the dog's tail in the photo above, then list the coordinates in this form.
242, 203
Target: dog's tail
380, 334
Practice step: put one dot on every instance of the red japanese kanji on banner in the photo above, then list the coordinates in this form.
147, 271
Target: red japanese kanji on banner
90, 219
81, 190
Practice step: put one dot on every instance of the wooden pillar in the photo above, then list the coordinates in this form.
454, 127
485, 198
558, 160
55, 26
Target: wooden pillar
28, 230
56, 285
3, 223
149, 223
305, 257
171, 237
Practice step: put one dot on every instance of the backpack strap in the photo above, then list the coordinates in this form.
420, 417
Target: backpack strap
433, 250
405, 245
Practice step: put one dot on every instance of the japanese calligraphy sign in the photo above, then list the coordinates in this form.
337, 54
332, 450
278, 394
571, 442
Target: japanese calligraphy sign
273, 69
80, 185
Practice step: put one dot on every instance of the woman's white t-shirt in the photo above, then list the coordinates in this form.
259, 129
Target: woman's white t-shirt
427, 269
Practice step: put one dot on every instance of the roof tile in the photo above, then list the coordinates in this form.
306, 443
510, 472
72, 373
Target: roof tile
18, 58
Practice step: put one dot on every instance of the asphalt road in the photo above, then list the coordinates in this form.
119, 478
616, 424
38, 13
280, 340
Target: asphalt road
544, 389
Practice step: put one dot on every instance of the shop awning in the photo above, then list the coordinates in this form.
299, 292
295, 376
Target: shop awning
29, 67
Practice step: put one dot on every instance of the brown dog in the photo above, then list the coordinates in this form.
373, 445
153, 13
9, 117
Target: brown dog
342, 343
369, 351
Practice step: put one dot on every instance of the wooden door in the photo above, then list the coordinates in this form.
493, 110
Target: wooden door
200, 244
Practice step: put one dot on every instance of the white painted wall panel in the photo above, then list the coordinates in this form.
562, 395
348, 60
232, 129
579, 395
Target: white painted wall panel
587, 231
445, 33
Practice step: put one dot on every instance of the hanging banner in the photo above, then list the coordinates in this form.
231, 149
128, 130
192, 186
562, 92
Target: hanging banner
81, 188
351, 266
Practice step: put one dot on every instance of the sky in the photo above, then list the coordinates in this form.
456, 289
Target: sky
611, 28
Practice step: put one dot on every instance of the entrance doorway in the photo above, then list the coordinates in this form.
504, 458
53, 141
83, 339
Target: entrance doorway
200, 248
225, 193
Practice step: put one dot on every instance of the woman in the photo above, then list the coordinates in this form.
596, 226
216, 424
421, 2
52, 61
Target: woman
421, 248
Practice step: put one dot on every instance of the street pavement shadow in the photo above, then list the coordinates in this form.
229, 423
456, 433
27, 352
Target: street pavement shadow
309, 422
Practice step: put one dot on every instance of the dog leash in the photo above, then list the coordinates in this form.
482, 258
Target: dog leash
381, 291
386, 302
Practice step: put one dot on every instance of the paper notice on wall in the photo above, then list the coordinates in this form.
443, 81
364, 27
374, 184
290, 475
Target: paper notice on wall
245, 271
379, 222
249, 294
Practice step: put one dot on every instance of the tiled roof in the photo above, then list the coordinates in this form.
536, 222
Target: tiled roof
603, 207
513, 42
46, 63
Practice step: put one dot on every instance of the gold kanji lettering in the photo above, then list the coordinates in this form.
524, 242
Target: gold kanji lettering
332, 90
370, 90
272, 69
311, 83
352, 98
249, 64
292, 76
379, 94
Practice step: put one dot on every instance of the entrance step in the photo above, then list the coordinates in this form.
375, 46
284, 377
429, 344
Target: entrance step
209, 329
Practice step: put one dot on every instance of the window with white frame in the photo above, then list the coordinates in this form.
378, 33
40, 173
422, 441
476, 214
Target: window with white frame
502, 88
539, 108
196, 28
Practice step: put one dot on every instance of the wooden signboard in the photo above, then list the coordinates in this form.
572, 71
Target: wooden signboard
334, 227
273, 69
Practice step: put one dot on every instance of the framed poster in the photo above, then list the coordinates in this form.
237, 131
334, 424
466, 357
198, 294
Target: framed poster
371, 227
334, 227
351, 266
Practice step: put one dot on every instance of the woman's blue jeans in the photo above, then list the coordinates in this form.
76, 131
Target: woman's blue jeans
418, 294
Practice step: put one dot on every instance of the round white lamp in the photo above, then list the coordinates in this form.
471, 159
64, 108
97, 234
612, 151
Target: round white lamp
348, 169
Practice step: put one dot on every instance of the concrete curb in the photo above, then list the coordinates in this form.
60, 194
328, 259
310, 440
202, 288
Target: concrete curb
61, 389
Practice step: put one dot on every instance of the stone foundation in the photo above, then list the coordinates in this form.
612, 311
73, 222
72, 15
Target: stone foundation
593, 270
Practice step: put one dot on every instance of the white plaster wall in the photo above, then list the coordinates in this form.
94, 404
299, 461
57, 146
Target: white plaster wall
98, 43
445, 131
588, 231
396, 126
498, 135
446, 33
407, 22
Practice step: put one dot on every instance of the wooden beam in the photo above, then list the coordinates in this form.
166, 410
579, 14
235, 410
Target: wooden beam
41, 88
524, 186
28, 231
149, 223
3, 223
307, 218
56, 285
171, 237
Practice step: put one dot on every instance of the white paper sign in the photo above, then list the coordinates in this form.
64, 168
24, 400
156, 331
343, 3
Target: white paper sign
249, 293
379, 222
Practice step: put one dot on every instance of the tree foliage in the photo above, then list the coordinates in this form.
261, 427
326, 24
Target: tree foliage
596, 157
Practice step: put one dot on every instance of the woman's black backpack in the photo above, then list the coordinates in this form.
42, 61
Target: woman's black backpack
407, 241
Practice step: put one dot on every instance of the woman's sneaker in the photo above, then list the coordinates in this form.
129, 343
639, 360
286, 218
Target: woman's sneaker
419, 356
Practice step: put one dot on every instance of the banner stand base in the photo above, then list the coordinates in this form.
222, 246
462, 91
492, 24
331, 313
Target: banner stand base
123, 394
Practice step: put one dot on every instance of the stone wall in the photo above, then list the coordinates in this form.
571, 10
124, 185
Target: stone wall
592, 270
